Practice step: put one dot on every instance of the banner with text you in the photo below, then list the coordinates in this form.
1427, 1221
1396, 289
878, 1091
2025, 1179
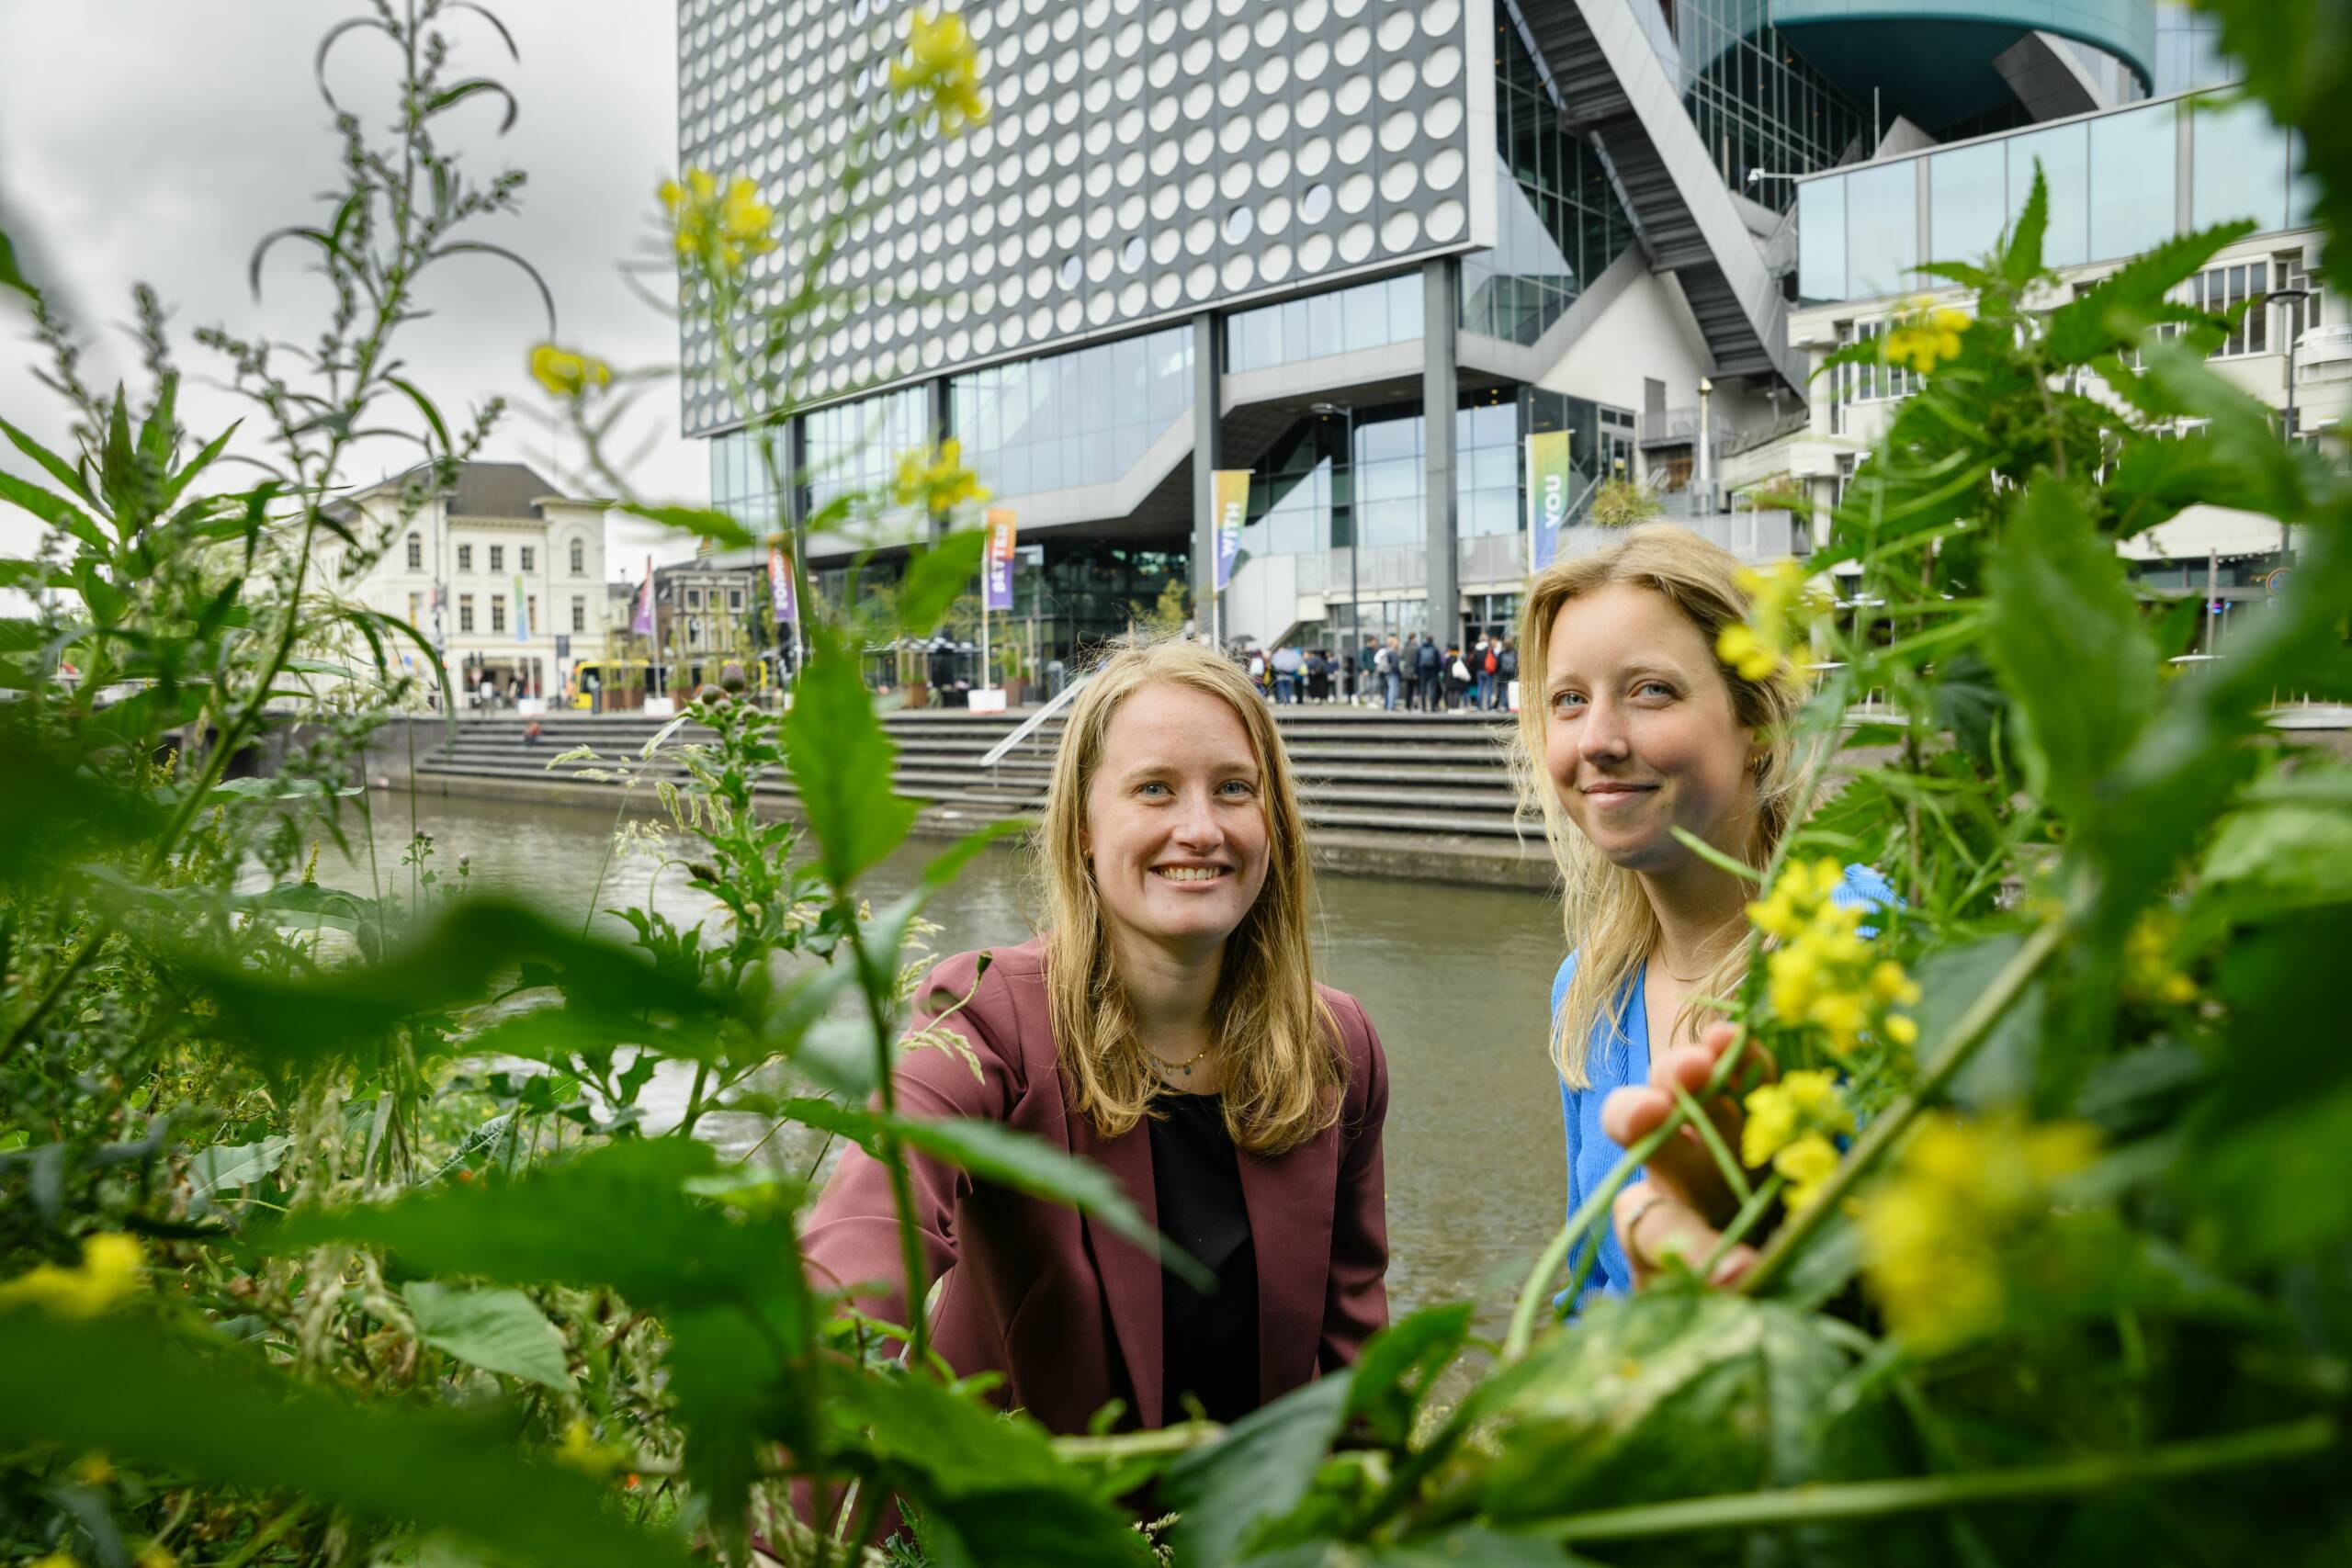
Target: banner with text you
1229, 505
1550, 481
996, 565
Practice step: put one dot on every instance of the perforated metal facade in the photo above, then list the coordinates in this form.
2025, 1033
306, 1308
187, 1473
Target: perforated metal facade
1144, 159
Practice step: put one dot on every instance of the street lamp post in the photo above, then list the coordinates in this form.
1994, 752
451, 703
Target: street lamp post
2294, 341
1355, 580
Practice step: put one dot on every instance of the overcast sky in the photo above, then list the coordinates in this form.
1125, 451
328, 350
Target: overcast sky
159, 140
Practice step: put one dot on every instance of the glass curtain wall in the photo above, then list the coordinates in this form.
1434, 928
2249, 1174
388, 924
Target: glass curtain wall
856, 446
1070, 419
1756, 104
1559, 224
1341, 321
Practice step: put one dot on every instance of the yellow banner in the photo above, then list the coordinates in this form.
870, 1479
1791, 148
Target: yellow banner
1229, 502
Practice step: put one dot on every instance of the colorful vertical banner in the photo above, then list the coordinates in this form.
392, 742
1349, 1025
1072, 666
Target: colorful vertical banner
641, 624
996, 565
1230, 503
1550, 481
522, 613
780, 582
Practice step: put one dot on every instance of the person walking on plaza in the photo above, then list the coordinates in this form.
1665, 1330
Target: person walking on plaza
1368, 674
1457, 681
1482, 664
1167, 1027
1319, 676
1287, 664
1505, 672
1392, 672
1428, 664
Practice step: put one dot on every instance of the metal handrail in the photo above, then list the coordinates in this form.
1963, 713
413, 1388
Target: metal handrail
996, 753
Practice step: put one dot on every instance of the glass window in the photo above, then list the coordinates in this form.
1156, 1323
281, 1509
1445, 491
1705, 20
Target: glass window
579, 613
1882, 229
498, 612
465, 558
498, 558
1821, 240
2240, 165
1080, 418
465, 611
579, 558
1968, 204
529, 554
2133, 159
2063, 155
415, 553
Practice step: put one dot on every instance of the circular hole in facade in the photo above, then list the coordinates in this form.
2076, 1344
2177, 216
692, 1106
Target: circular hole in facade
1273, 214
1314, 108
1398, 130
1441, 17
1314, 157
1237, 225
1072, 270
1441, 66
1352, 95
1201, 282
1397, 80
1355, 144
1315, 204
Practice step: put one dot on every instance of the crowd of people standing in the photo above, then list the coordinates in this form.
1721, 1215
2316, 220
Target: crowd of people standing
1417, 675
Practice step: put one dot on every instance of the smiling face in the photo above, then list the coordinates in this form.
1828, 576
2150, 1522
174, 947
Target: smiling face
1640, 737
1175, 820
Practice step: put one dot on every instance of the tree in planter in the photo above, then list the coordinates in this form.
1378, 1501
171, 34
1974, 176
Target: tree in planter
1622, 504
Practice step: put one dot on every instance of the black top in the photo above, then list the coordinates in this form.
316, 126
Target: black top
1208, 1343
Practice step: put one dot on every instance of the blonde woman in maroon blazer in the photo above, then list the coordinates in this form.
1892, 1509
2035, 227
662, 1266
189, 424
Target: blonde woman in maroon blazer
1167, 1026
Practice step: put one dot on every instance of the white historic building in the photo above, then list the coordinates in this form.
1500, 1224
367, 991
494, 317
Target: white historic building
501, 574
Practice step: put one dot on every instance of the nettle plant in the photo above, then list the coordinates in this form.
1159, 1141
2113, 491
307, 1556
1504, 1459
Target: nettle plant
364, 1252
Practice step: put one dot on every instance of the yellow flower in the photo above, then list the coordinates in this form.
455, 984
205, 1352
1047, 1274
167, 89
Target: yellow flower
1803, 1104
580, 1451
1780, 612
56, 1560
1927, 339
109, 1271
565, 374
936, 483
1821, 973
722, 227
1807, 1163
1966, 1198
2149, 973
942, 69
154, 1554
94, 1469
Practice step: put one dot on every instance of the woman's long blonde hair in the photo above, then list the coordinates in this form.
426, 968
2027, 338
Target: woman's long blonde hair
1278, 1045
1609, 921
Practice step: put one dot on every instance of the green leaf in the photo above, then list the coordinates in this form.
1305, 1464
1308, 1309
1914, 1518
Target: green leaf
1256, 1474
936, 578
1682, 1393
2117, 314
2273, 858
496, 1329
992, 1152
703, 524
2066, 638
54, 465
121, 1387
224, 1166
729, 1409
2021, 258
1398, 1365
617, 1215
52, 509
842, 763
11, 275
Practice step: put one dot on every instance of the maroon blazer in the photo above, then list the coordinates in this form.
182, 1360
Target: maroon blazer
1067, 1312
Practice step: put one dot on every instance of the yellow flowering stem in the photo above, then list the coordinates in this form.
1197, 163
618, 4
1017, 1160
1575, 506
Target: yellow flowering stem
1759, 1203
1547, 1268
2263, 1446
1710, 1135
1886, 1129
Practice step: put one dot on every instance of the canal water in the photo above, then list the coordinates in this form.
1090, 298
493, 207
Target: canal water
1455, 979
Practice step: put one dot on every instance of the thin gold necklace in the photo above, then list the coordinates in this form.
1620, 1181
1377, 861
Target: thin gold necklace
1184, 1067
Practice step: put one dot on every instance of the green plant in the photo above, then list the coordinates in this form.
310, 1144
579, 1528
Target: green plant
331, 1224
1778, 494
1621, 503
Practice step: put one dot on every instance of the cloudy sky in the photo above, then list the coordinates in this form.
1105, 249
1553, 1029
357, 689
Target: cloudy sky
159, 140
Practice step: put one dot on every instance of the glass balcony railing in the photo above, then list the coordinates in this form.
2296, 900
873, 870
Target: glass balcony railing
2122, 182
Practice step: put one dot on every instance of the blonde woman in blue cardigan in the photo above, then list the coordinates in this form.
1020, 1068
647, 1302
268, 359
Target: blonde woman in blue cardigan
1630, 728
